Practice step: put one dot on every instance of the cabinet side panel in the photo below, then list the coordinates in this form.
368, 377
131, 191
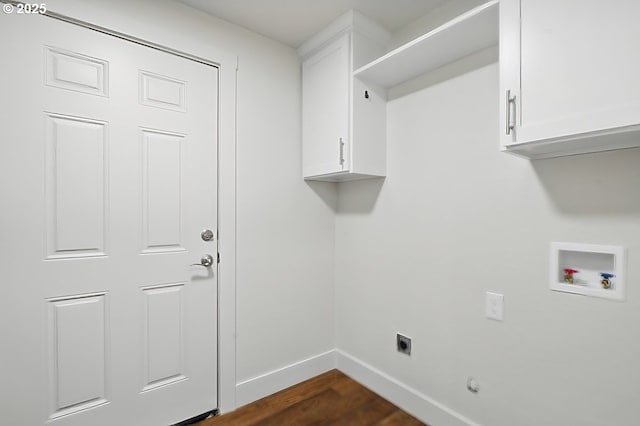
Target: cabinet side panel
369, 129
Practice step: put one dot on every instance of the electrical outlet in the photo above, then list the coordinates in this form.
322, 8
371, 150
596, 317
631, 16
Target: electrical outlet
403, 344
494, 306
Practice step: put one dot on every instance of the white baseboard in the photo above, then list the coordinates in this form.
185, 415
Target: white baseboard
274, 381
410, 400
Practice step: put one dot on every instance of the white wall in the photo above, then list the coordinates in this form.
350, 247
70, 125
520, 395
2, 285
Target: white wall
454, 218
285, 228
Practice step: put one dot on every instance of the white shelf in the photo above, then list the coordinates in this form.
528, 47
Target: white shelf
460, 37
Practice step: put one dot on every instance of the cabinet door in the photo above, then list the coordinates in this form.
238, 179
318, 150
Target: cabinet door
325, 109
572, 66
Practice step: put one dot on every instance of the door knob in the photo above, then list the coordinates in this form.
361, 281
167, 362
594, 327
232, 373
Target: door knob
206, 261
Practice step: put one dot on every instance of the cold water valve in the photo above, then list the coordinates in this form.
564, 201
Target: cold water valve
606, 279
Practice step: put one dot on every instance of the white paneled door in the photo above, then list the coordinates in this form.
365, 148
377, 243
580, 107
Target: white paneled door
108, 175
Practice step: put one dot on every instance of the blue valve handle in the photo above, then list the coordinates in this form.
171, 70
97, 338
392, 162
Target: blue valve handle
606, 276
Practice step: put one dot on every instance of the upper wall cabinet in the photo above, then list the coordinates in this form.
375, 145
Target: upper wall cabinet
569, 76
343, 119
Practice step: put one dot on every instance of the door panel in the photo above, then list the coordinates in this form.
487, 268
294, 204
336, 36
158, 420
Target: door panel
162, 91
76, 186
162, 201
108, 168
74, 71
78, 378
164, 335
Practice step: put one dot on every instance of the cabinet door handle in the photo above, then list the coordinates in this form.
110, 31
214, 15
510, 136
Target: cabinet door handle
341, 152
510, 101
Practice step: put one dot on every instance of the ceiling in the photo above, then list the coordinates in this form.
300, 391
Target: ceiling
294, 21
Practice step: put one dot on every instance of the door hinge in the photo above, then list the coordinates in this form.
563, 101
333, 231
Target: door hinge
218, 257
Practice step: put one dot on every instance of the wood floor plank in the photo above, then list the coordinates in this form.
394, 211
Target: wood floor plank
330, 399
265, 407
399, 418
346, 386
366, 414
306, 412
348, 403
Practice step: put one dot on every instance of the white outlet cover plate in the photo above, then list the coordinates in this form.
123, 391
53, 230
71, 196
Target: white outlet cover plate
494, 306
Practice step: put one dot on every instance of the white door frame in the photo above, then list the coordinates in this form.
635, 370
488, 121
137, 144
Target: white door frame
227, 65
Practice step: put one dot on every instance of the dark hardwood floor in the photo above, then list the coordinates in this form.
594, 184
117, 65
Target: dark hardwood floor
331, 399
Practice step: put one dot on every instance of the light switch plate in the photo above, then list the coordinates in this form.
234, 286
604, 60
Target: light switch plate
494, 306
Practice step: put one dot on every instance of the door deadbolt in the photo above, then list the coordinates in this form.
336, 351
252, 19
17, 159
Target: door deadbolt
206, 235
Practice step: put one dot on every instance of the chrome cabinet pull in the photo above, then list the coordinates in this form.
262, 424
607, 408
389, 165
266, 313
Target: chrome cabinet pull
341, 152
510, 101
